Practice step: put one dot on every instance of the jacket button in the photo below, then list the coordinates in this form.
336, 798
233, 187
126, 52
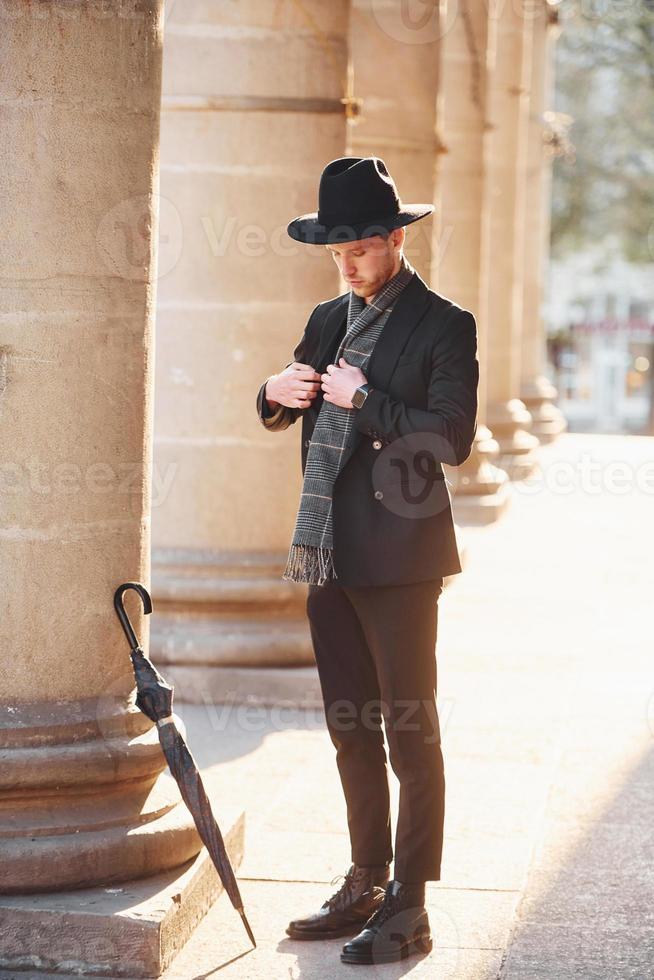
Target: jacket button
377, 444
379, 494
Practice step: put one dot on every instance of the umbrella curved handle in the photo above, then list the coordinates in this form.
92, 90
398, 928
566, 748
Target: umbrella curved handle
122, 613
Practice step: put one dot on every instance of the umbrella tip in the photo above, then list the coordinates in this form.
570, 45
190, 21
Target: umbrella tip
247, 928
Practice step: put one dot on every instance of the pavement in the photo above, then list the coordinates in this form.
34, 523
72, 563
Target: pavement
546, 701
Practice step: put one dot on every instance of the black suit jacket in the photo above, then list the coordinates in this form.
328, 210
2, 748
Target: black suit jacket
392, 515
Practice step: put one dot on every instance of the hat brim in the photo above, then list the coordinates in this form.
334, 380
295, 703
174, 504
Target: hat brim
307, 229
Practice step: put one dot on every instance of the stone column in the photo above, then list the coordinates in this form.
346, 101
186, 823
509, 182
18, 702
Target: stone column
462, 255
252, 112
538, 392
395, 61
81, 801
508, 108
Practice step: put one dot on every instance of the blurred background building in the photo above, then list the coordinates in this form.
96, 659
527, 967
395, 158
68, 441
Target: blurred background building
600, 318
600, 286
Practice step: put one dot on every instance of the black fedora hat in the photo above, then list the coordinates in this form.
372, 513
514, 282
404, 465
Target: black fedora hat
357, 198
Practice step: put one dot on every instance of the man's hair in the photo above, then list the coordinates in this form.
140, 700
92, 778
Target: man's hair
384, 233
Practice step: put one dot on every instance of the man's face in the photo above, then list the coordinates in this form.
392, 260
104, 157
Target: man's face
368, 263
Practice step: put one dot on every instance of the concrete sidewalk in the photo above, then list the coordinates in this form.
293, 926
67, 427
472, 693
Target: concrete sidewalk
546, 698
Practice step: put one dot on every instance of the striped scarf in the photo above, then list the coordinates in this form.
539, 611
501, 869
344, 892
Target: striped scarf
310, 557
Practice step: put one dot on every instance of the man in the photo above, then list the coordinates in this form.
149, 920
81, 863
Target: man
385, 379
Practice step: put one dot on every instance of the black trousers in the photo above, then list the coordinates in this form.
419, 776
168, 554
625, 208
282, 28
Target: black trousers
375, 647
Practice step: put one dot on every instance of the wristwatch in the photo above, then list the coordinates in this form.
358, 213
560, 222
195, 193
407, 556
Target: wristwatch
360, 395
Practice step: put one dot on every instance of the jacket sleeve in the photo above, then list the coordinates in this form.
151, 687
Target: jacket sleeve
282, 417
451, 413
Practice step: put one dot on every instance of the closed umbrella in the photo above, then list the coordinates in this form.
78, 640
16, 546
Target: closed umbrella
155, 699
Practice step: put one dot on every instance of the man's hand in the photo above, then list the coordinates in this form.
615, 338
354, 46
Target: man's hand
340, 382
295, 387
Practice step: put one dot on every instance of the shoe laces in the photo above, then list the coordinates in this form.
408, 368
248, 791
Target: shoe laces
387, 910
344, 892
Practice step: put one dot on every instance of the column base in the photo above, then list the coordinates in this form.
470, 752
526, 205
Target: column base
510, 423
83, 798
265, 687
227, 610
548, 421
482, 493
480, 510
134, 930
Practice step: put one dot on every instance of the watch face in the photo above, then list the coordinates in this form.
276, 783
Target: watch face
359, 397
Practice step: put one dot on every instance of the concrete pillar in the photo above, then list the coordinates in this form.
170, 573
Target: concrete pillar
395, 61
538, 393
81, 801
252, 113
508, 108
462, 255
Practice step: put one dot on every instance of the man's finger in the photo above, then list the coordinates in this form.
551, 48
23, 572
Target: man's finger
306, 372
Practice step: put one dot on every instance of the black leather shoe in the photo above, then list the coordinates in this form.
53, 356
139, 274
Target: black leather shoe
397, 929
360, 894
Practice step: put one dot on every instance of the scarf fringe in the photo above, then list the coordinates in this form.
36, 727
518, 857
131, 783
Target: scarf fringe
309, 563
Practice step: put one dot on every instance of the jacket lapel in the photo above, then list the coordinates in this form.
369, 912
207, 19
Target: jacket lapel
332, 327
407, 312
402, 320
